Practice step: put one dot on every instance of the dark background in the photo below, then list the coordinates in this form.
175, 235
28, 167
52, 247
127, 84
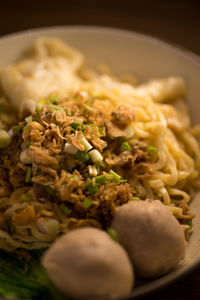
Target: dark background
177, 21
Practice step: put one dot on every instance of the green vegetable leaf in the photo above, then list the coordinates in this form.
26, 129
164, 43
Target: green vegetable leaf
21, 279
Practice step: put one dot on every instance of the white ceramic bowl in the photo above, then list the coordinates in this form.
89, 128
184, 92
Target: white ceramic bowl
143, 56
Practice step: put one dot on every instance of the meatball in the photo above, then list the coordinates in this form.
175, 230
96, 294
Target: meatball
151, 235
87, 264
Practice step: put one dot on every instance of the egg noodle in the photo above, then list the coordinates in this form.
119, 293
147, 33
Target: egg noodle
162, 122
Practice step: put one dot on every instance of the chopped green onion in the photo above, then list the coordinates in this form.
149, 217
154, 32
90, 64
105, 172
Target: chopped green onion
81, 155
101, 131
28, 174
58, 168
56, 107
17, 128
5, 139
11, 227
123, 180
95, 156
50, 191
52, 227
189, 223
134, 199
70, 149
113, 234
98, 95
101, 179
87, 202
29, 119
66, 211
75, 125
28, 144
37, 117
39, 109
26, 197
58, 157
92, 187
126, 146
86, 144
151, 150
101, 164
73, 177
93, 171
54, 100
115, 176
42, 102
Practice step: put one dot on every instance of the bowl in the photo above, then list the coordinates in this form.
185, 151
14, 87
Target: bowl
145, 57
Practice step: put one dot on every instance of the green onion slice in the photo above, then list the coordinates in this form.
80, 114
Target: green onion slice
87, 202
134, 199
102, 164
37, 117
54, 100
39, 109
92, 187
189, 223
29, 119
17, 128
42, 102
115, 177
126, 146
66, 211
151, 150
50, 191
81, 155
28, 144
101, 179
101, 133
11, 227
56, 107
26, 197
113, 234
76, 125
28, 175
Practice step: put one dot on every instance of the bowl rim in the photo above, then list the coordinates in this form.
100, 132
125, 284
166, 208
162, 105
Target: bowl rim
165, 43
184, 51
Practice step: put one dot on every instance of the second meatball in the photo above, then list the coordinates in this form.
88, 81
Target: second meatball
151, 235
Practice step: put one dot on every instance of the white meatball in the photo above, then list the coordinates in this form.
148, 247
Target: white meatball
151, 235
87, 264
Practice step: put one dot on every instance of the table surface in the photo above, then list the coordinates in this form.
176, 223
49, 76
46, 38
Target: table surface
177, 21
